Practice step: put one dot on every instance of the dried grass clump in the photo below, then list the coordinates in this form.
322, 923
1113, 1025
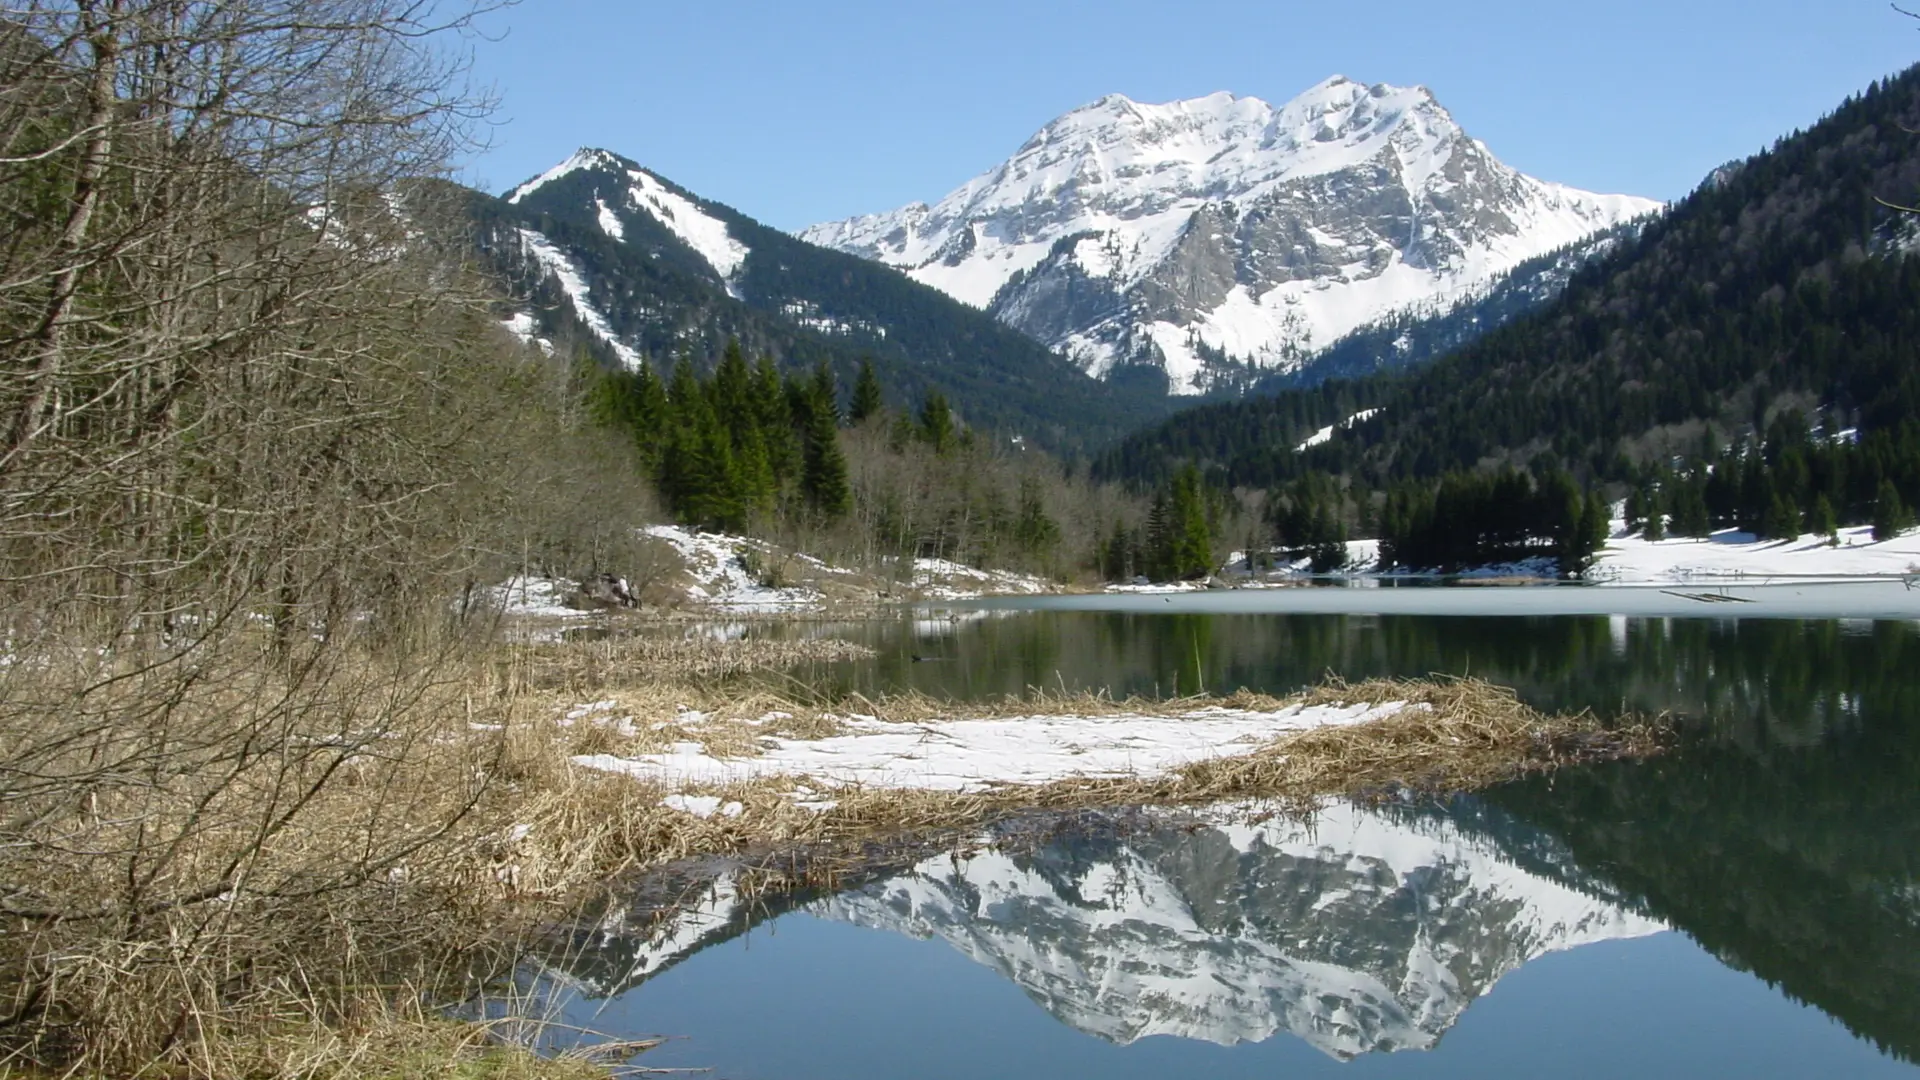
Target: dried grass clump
1453, 736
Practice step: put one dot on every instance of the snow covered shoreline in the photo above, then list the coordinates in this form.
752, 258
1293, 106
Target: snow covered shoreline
715, 573
973, 755
1738, 556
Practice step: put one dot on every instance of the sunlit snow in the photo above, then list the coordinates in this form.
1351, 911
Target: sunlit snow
971, 755
1133, 179
556, 263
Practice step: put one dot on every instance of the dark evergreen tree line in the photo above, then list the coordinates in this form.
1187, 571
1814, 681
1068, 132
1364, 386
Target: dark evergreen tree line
1474, 519
737, 448
1795, 481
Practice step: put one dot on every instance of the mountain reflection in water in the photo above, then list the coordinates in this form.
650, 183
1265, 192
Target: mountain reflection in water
1782, 840
1359, 930
1364, 930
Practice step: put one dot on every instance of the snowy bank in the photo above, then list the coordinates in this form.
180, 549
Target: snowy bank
975, 755
721, 577
1738, 555
941, 579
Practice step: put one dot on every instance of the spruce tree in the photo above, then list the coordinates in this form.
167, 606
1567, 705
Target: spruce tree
1116, 554
778, 432
1890, 515
647, 413
867, 400
1821, 522
823, 479
1034, 530
696, 468
1636, 510
1157, 558
1191, 548
936, 422
1656, 527
1782, 520
1690, 513
732, 391
824, 392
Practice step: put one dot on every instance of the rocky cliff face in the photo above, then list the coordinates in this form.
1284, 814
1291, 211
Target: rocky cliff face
1222, 236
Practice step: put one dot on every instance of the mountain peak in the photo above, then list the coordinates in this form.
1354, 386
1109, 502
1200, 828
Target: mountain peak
1223, 234
587, 158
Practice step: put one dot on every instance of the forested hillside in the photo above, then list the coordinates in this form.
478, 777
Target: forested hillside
667, 274
1748, 358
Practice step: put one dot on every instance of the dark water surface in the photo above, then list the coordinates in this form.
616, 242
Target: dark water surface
1747, 907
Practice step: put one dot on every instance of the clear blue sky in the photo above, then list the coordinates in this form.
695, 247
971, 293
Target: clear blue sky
796, 112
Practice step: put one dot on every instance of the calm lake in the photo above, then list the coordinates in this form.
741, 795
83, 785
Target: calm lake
1749, 906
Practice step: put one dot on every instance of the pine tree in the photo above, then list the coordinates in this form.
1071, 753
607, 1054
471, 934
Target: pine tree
936, 422
1636, 510
823, 479
824, 392
1191, 550
1782, 520
777, 429
1890, 516
1821, 522
1656, 526
867, 399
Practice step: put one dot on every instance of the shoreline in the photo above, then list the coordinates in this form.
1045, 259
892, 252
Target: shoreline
1888, 598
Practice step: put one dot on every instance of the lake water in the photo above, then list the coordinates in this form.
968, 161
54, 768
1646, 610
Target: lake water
1749, 906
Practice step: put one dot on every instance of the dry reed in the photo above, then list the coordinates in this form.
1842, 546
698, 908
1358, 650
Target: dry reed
378, 850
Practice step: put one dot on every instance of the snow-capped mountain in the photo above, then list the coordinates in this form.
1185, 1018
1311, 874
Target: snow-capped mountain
1361, 931
1223, 233
604, 254
637, 191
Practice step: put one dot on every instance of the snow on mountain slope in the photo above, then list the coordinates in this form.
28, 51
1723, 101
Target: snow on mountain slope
1361, 931
705, 234
562, 269
1221, 233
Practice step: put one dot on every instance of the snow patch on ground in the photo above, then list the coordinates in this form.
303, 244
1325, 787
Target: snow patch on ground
941, 579
533, 595
1726, 555
702, 806
975, 755
720, 579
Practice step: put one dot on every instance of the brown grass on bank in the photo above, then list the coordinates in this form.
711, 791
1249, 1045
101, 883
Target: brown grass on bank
1455, 735
186, 881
